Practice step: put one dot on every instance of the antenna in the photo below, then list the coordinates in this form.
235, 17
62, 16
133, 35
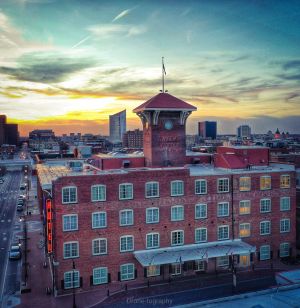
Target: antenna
163, 73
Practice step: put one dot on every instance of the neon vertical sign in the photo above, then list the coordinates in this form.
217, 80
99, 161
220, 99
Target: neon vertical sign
49, 225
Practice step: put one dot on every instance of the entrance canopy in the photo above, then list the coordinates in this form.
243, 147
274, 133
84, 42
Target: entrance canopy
204, 251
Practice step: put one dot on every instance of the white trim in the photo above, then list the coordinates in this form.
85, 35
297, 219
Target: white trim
62, 195
152, 208
152, 182
126, 198
152, 233
96, 186
172, 237
199, 205
222, 226
265, 176
100, 268
64, 249
173, 182
99, 240
201, 180
63, 223
126, 236
198, 229
265, 221
178, 207
127, 264
225, 191
120, 220
101, 212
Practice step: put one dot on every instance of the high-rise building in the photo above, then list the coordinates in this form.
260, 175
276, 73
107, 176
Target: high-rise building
8, 132
207, 129
244, 132
117, 126
2, 128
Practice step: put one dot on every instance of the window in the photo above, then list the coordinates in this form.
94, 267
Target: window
244, 230
126, 217
177, 188
199, 265
223, 185
177, 238
245, 183
100, 275
98, 220
177, 213
285, 181
285, 203
265, 182
69, 195
98, 193
71, 280
125, 191
152, 190
127, 271
152, 215
223, 261
200, 211
265, 252
126, 243
99, 246
153, 270
152, 240
70, 222
265, 205
284, 250
71, 250
285, 225
223, 232
245, 207
200, 187
265, 227
200, 235
223, 209
176, 269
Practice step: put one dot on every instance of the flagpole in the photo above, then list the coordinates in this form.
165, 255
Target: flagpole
163, 75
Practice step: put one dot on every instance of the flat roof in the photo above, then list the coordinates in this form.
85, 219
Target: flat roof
245, 147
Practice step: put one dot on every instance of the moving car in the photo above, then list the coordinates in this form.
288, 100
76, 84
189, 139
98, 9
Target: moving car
20, 207
15, 252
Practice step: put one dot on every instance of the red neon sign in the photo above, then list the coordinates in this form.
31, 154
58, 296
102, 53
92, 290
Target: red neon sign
49, 225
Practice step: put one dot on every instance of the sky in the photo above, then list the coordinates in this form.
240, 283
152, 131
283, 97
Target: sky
68, 64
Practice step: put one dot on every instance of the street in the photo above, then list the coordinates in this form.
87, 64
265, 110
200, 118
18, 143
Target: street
10, 271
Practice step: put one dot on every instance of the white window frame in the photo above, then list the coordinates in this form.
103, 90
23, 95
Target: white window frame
199, 191
152, 234
93, 221
284, 251
175, 210
245, 188
245, 226
177, 244
285, 225
200, 208
260, 182
219, 184
128, 275
98, 187
68, 279
264, 255
199, 265
243, 205
263, 205
285, 207
99, 240
176, 269
285, 176
70, 243
200, 230
126, 223
126, 237
102, 279
177, 192
70, 216
152, 190
121, 197
151, 209
222, 212
223, 261
223, 227
69, 197
264, 223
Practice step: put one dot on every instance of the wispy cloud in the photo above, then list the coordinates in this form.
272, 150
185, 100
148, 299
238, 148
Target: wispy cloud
123, 14
107, 30
81, 42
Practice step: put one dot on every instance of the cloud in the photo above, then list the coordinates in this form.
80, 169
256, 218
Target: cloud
289, 77
122, 14
293, 64
81, 42
108, 30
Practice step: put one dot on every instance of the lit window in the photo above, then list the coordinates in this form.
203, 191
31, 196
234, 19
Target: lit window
199, 265
98, 193
285, 203
200, 211
265, 252
177, 213
98, 220
71, 280
223, 209
245, 207
265, 227
265, 182
200, 235
177, 188
69, 195
284, 250
244, 230
125, 191
223, 185
285, 225
175, 269
265, 205
285, 181
245, 183
177, 238
223, 261
127, 271
126, 217
126, 243
70, 222
152, 240
200, 187
71, 250
99, 246
152, 215
223, 232
152, 190
153, 270
100, 275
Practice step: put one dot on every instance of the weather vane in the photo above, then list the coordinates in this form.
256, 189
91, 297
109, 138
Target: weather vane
163, 73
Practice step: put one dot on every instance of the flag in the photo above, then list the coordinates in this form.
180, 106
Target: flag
163, 66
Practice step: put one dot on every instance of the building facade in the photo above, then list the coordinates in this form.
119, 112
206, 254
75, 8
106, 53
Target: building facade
118, 224
244, 132
9, 133
207, 129
117, 126
133, 139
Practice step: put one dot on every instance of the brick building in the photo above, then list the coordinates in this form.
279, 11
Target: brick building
133, 139
129, 219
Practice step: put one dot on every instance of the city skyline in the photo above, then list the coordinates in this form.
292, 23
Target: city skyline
67, 65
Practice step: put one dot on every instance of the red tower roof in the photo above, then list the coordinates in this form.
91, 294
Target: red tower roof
164, 101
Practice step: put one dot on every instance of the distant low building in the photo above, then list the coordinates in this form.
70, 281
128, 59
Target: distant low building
133, 139
244, 132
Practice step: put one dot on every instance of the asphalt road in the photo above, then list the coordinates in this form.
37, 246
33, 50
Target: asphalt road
9, 270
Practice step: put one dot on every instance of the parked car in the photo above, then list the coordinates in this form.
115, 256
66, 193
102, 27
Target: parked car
22, 197
1, 181
15, 252
20, 207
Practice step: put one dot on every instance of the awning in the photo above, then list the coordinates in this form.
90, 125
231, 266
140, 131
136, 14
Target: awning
191, 252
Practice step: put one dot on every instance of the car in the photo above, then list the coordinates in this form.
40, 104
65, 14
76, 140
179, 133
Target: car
20, 207
1, 181
15, 252
22, 197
